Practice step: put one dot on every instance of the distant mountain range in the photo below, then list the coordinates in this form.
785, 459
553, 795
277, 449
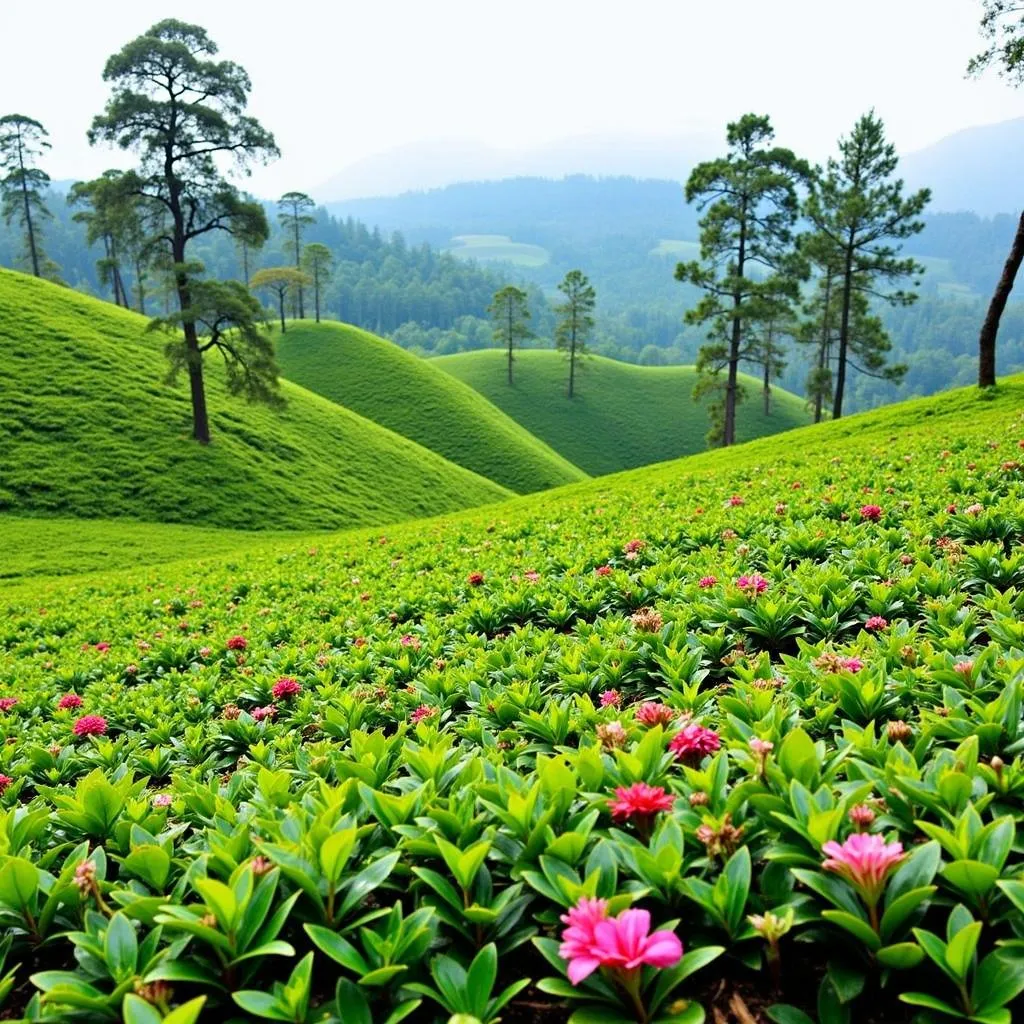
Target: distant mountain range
978, 169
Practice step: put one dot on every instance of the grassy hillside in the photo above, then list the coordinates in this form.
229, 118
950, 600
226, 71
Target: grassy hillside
89, 428
499, 249
414, 398
622, 416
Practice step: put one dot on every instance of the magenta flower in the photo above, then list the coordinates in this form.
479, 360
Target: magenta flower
259, 714
423, 711
603, 570
285, 687
6, 703
236, 643
90, 725
693, 741
611, 699
875, 623
5, 781
735, 501
69, 701
707, 582
162, 800
623, 944
475, 579
753, 584
852, 664
865, 860
871, 512
408, 640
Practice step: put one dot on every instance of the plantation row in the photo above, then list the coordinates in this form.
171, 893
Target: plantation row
609, 753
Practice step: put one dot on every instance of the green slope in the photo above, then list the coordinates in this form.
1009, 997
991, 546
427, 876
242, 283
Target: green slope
411, 396
622, 416
89, 428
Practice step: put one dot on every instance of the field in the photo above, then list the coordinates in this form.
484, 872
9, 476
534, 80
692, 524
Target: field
498, 249
90, 429
752, 718
414, 398
622, 416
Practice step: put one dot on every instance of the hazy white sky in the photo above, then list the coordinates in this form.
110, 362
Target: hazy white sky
340, 81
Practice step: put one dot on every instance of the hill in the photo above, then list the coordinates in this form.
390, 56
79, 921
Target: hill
414, 398
89, 428
622, 416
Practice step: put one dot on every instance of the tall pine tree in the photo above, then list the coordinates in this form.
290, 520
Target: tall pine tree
510, 313
23, 186
575, 320
294, 217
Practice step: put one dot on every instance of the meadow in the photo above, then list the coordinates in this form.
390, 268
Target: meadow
499, 249
735, 734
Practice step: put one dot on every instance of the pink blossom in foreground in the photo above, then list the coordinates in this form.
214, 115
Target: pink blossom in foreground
623, 944
90, 725
603, 570
236, 643
693, 741
707, 582
865, 860
871, 512
423, 711
285, 687
611, 699
6, 703
5, 781
69, 701
259, 714
639, 801
875, 623
653, 713
755, 583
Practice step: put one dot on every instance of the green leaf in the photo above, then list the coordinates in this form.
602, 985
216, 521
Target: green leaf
971, 877
960, 951
335, 851
151, 863
352, 1005
916, 871
848, 982
901, 956
187, 1013
737, 878
337, 948
900, 909
780, 1013
219, 900
855, 926
481, 977
930, 1002
797, 757
120, 947
19, 880
261, 1004
998, 981
137, 1011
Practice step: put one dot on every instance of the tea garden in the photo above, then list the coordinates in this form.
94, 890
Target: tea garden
736, 734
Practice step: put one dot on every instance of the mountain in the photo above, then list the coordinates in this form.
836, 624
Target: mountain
978, 169
622, 416
89, 428
415, 398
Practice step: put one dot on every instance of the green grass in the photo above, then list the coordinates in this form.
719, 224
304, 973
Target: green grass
498, 249
622, 416
415, 398
90, 429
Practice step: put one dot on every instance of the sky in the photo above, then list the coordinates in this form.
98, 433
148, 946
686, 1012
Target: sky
341, 83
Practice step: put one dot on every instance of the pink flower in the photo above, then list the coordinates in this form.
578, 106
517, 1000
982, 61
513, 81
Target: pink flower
753, 584
734, 501
862, 816
236, 643
693, 741
6, 703
103, 647
532, 576
204, 652
423, 711
633, 546
852, 664
90, 725
872, 512
475, 579
964, 668
69, 701
707, 582
259, 714
623, 943
653, 713
5, 781
603, 570
875, 623
639, 801
408, 640
611, 699
162, 800
285, 687
865, 860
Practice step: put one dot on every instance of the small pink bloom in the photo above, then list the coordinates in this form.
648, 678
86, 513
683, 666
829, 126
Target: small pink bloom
633, 546
653, 713
423, 711
69, 701
753, 584
162, 800
964, 668
90, 725
5, 781
639, 801
875, 623
871, 512
6, 703
259, 714
103, 647
204, 652
862, 816
603, 570
707, 582
531, 576
611, 698
852, 664
734, 501
408, 640
236, 643
693, 741
762, 748
475, 579
865, 860
285, 687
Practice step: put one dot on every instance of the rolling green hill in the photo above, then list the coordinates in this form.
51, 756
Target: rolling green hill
622, 416
414, 398
89, 428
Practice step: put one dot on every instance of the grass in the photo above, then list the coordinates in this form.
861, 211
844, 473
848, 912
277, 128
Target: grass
622, 416
498, 249
416, 399
89, 429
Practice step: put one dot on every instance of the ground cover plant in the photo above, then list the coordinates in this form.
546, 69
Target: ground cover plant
736, 735
413, 397
621, 416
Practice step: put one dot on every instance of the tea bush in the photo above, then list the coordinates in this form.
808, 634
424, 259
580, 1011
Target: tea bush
743, 730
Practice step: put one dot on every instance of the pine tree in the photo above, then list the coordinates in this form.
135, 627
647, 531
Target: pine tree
181, 111
857, 210
294, 216
575, 320
1002, 26
316, 262
510, 313
750, 203
282, 282
23, 186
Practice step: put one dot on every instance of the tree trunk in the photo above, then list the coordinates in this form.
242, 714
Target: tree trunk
767, 388
298, 261
280, 304
819, 396
194, 359
729, 422
844, 332
510, 343
990, 328
572, 365
140, 286
316, 299
28, 212
245, 262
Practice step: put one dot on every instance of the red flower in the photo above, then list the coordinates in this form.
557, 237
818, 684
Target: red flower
639, 801
237, 643
285, 687
603, 570
475, 579
103, 647
693, 741
408, 640
735, 500
5, 781
90, 725
6, 703
872, 512
69, 701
